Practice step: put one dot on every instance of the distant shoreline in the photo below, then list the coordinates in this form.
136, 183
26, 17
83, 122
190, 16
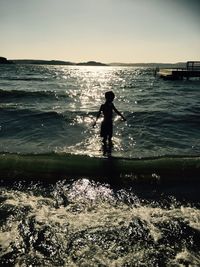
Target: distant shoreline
4, 60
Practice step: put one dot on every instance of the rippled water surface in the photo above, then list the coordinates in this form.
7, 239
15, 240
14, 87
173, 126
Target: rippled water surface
79, 222
89, 224
52, 108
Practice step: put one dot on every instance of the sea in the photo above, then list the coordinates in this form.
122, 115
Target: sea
50, 110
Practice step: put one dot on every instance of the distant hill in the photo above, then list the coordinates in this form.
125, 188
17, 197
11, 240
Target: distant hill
42, 62
91, 63
3, 60
57, 62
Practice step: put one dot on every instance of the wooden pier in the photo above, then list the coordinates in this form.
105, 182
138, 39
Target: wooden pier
191, 70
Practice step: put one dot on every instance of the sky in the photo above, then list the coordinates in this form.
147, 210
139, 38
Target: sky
128, 31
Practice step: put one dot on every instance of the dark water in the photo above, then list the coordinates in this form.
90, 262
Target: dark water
51, 108
79, 222
89, 224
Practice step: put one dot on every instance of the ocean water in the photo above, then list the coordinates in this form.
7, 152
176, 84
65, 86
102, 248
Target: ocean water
79, 222
51, 108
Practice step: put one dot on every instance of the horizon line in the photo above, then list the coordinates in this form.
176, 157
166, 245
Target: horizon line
113, 62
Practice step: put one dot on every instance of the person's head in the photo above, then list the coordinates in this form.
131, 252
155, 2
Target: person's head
109, 96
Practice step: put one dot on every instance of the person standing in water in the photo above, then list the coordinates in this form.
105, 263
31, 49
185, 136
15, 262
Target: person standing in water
107, 124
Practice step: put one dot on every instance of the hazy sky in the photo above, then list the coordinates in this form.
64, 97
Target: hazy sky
101, 30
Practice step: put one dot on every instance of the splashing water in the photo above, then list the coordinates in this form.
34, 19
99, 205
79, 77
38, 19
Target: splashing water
89, 224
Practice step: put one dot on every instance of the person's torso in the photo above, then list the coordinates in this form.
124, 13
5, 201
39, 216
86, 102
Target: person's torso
107, 109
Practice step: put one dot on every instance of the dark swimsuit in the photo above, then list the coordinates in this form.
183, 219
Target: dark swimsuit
107, 129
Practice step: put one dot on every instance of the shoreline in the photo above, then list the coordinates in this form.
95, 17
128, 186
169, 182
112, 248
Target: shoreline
53, 167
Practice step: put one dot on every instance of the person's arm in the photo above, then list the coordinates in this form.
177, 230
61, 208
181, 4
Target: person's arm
119, 113
98, 115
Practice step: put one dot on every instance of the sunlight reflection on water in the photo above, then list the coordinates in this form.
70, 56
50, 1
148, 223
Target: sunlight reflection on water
89, 224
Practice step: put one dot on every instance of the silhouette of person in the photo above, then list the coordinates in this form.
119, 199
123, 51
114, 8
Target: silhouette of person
107, 124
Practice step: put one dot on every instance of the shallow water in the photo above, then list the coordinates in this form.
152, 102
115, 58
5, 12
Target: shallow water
89, 224
52, 108
79, 222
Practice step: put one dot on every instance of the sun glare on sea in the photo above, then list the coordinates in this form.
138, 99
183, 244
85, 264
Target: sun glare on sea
88, 84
